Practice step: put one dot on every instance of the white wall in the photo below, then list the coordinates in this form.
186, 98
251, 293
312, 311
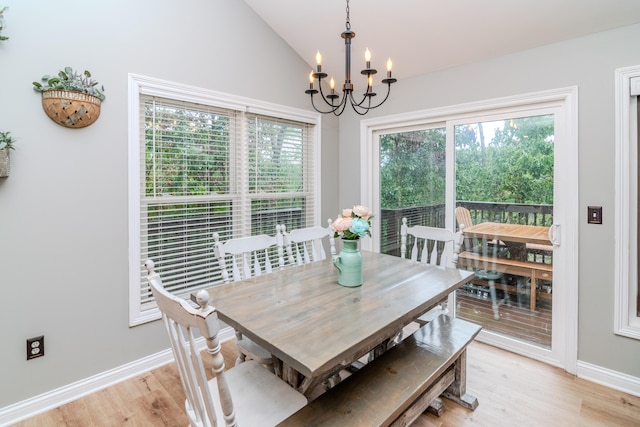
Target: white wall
63, 210
588, 63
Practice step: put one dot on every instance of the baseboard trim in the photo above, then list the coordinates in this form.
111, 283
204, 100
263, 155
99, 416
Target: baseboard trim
608, 378
28, 408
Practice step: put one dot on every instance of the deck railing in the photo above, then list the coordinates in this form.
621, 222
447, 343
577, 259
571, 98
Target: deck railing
434, 216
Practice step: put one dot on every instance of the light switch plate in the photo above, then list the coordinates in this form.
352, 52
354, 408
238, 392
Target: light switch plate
594, 214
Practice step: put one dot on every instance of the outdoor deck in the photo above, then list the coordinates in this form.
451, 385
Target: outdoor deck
518, 322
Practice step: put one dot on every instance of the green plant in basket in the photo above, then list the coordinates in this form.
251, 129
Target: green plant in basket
2, 10
6, 140
69, 79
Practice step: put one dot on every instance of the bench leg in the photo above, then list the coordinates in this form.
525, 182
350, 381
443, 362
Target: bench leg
436, 407
457, 391
425, 401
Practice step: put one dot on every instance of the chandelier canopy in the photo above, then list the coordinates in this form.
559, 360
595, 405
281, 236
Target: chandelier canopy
331, 105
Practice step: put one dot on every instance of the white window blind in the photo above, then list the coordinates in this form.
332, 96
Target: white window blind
204, 170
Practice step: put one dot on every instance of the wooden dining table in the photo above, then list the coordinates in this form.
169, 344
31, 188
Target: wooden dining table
517, 238
315, 327
514, 235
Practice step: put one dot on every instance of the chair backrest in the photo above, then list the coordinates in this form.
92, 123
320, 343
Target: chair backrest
305, 245
181, 320
431, 245
249, 256
463, 216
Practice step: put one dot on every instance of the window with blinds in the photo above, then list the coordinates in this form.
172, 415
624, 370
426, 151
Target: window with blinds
205, 169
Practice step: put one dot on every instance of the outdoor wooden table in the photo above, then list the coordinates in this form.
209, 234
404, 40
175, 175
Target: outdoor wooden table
515, 237
315, 327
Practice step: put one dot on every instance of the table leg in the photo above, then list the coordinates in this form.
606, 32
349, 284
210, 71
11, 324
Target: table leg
532, 297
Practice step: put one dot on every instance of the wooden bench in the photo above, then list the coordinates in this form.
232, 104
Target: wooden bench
395, 388
535, 271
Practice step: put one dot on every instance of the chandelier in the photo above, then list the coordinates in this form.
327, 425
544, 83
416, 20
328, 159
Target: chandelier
331, 105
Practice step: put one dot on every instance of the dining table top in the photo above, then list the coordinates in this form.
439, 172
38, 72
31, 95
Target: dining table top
518, 233
312, 324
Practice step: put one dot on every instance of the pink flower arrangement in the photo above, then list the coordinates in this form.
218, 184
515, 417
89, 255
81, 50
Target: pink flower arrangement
353, 223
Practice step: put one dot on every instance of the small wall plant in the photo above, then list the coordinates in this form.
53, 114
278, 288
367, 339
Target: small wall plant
68, 79
6, 140
2, 10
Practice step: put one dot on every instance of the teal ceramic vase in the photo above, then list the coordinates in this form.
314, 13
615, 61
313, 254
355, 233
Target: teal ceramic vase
349, 264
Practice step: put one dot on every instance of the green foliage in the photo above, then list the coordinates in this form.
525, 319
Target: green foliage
514, 165
412, 168
6, 140
2, 10
186, 151
68, 79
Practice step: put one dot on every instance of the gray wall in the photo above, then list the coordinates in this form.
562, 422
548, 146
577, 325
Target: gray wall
588, 63
63, 210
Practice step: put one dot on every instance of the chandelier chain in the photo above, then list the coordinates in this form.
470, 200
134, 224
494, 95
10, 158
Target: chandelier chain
348, 23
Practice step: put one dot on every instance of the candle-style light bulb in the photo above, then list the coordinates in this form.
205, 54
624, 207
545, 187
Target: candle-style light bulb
319, 61
367, 58
311, 80
369, 83
332, 84
389, 65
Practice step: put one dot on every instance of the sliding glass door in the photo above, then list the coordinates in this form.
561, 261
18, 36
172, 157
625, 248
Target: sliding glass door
500, 166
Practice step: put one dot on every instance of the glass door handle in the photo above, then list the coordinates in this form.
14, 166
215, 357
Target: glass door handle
554, 234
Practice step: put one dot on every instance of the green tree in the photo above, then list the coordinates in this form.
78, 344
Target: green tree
515, 166
412, 168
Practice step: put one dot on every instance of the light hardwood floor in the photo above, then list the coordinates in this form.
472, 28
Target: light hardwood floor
512, 391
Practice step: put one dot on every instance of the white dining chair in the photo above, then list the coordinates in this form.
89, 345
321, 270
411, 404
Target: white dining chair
434, 246
305, 245
246, 394
248, 257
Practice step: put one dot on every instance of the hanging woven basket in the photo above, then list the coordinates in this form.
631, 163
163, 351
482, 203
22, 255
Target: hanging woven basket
71, 109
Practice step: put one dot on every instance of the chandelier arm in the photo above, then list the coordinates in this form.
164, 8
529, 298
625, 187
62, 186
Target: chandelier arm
371, 107
332, 105
332, 110
360, 109
343, 105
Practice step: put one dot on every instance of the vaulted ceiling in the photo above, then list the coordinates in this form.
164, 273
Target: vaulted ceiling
422, 36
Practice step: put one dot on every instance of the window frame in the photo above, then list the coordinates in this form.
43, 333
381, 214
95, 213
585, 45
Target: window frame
626, 320
139, 85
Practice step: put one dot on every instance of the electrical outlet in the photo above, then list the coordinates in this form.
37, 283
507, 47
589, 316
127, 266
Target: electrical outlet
35, 347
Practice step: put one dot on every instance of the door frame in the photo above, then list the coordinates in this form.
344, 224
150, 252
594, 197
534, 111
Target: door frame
564, 103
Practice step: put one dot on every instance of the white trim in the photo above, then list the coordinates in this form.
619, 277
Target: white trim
608, 378
626, 209
167, 89
136, 315
52, 399
565, 103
